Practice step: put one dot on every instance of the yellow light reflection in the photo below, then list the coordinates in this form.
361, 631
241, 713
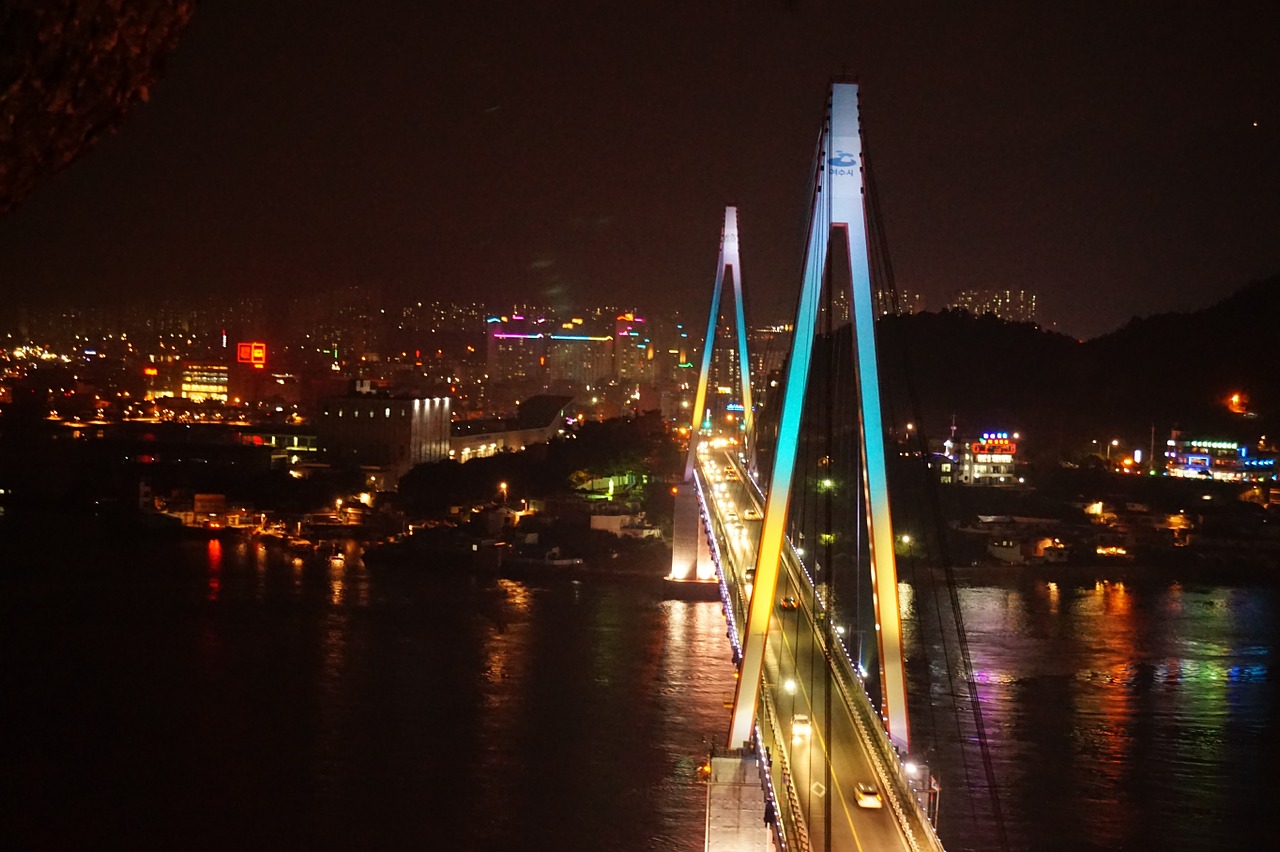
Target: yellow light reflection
337, 577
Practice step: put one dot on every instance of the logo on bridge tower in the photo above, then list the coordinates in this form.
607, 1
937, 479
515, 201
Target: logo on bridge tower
843, 163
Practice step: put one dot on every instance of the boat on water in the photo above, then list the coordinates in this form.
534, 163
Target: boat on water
274, 534
1028, 551
1113, 547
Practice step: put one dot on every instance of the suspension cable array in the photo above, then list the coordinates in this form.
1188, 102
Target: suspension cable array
935, 545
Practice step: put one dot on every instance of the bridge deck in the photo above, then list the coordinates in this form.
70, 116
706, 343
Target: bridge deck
808, 673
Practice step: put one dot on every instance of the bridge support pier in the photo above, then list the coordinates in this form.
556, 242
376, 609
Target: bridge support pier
690, 553
693, 573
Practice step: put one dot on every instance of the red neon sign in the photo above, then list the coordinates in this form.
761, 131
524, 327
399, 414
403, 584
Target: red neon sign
1003, 447
254, 353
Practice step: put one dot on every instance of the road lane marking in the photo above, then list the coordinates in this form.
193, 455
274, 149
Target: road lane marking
835, 782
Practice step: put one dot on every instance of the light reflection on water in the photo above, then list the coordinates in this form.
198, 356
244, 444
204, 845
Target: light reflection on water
215, 568
603, 699
335, 706
311, 703
1121, 715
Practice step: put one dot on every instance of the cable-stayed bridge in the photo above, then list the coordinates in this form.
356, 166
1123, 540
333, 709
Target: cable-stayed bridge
791, 519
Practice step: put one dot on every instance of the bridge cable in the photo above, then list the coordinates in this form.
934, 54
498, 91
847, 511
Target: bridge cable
828, 538
888, 303
883, 265
881, 250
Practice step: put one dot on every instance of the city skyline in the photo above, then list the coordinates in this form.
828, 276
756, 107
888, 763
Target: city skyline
1115, 162
325, 476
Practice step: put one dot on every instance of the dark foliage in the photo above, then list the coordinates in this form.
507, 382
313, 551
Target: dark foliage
610, 448
69, 72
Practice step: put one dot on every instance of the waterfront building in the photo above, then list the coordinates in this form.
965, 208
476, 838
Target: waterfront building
389, 434
1221, 460
204, 382
987, 460
539, 419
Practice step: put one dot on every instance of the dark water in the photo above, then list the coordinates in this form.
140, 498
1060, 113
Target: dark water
1137, 714
221, 695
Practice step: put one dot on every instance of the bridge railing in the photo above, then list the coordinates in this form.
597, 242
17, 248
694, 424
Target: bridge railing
789, 829
767, 721
892, 774
894, 780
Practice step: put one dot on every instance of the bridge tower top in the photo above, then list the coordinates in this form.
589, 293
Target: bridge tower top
729, 265
837, 223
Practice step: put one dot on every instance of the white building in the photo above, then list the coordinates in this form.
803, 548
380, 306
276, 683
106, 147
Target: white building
988, 460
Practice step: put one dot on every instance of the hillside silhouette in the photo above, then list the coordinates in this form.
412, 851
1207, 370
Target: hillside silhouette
1167, 371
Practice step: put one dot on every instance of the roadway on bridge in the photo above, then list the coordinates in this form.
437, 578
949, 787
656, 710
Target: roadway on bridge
832, 759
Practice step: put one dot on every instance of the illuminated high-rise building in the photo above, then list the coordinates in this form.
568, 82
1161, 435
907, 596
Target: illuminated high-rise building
898, 303
515, 348
1009, 305
204, 382
541, 352
633, 350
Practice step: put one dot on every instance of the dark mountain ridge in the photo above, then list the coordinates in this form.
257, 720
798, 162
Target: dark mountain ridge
1166, 371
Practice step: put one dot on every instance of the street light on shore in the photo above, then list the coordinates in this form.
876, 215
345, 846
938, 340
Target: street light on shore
502, 486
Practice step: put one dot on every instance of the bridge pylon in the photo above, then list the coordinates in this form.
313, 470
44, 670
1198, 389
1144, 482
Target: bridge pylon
690, 553
729, 266
837, 225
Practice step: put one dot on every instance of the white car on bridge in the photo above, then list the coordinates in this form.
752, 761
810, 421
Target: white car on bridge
867, 795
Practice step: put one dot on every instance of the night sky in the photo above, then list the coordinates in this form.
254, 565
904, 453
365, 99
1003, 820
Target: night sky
1118, 159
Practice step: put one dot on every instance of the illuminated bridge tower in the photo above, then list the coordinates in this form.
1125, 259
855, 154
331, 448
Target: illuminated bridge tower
729, 266
837, 245
690, 558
